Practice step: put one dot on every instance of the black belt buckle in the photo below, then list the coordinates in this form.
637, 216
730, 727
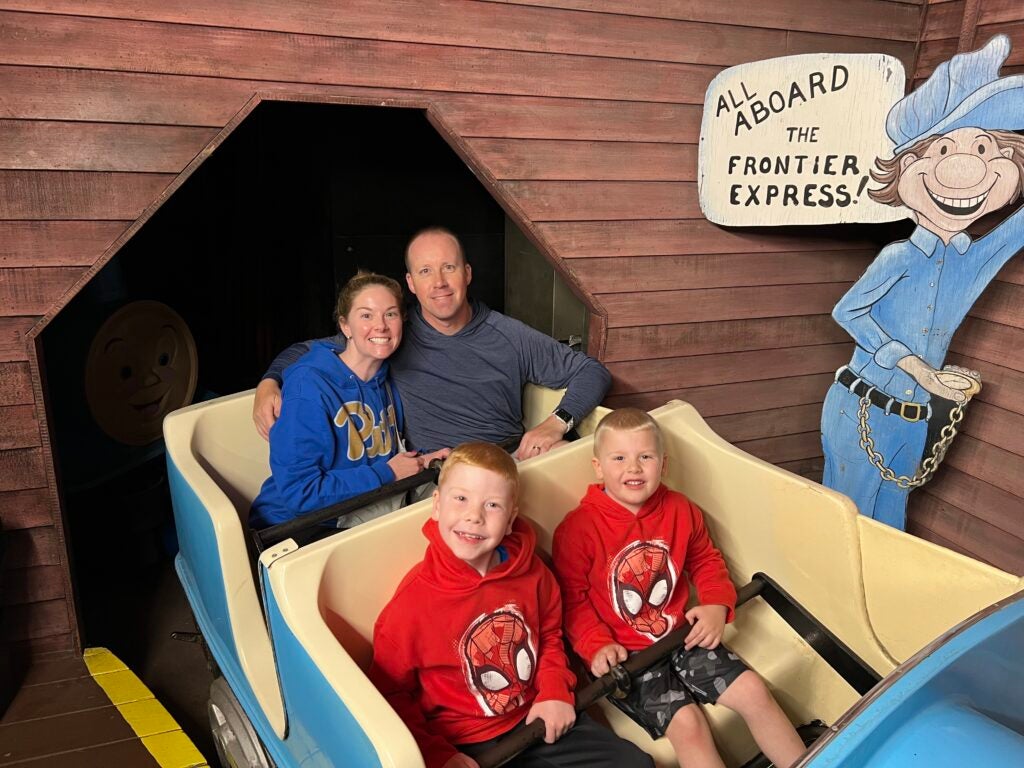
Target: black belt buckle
918, 413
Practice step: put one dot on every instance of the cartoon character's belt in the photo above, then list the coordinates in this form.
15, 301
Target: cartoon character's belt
907, 411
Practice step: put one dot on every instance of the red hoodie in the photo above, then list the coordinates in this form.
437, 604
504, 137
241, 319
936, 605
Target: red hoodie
460, 656
623, 575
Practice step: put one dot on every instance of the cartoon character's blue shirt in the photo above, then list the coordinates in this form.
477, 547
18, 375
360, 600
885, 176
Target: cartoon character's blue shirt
913, 297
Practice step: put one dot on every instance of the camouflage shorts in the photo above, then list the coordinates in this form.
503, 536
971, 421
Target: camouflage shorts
684, 677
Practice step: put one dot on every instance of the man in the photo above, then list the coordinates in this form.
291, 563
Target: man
462, 366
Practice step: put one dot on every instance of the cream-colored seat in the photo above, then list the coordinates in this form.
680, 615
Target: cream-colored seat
806, 537
218, 462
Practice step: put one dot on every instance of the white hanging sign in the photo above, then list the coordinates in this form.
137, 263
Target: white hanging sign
793, 140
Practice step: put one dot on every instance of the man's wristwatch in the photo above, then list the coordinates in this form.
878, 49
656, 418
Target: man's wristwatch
565, 417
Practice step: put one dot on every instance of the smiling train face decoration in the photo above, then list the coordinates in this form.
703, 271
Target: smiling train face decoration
956, 158
141, 366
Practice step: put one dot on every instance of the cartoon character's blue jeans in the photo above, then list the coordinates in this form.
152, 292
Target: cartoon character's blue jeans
847, 468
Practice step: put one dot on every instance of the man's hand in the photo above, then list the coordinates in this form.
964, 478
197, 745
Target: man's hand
266, 406
558, 718
708, 624
924, 375
461, 760
542, 438
606, 658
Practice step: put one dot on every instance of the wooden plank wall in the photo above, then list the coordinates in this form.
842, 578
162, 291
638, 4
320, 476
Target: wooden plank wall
976, 502
586, 111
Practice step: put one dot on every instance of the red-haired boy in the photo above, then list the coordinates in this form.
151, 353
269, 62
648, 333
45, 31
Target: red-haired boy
471, 643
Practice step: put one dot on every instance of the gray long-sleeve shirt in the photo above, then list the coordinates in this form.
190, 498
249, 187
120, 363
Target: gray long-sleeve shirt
469, 386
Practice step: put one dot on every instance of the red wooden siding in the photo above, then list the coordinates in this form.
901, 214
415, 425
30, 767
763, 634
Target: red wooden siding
586, 112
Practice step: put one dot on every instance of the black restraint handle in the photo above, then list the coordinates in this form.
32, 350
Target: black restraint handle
518, 739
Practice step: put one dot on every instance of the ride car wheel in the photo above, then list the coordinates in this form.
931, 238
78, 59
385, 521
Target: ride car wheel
236, 741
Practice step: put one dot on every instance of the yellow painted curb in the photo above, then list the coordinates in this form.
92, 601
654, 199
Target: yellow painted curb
157, 730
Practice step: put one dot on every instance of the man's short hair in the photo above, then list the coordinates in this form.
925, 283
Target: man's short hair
434, 231
628, 420
483, 456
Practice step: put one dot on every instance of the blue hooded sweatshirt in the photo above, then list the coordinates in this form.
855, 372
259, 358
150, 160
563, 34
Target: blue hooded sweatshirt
333, 439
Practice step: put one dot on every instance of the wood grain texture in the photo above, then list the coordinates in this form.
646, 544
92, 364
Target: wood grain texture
648, 342
996, 11
1001, 387
931, 54
785, 448
54, 145
719, 270
741, 397
56, 243
15, 384
606, 239
774, 422
586, 160
601, 200
32, 585
715, 304
22, 468
54, 93
982, 541
703, 370
36, 620
77, 194
995, 426
18, 427
25, 509
29, 547
986, 502
943, 21
12, 338
509, 27
868, 18
988, 463
65, 41
32, 291
1001, 303
990, 342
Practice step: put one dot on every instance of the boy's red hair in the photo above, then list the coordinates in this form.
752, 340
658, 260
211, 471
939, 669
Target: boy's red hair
484, 456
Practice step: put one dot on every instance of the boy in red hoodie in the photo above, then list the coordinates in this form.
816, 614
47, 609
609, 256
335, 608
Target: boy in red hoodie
622, 558
471, 643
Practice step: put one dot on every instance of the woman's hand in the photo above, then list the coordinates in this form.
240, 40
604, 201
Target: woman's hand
441, 454
404, 464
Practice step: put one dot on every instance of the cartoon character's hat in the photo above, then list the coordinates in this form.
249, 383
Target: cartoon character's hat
964, 91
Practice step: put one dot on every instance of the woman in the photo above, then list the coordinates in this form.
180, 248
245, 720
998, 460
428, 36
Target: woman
339, 434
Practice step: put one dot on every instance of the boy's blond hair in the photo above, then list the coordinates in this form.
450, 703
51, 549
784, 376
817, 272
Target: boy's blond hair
484, 456
628, 420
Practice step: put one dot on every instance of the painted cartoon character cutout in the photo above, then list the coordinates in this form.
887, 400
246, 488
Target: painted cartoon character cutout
956, 159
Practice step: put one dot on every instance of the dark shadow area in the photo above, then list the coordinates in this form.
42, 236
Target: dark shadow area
242, 260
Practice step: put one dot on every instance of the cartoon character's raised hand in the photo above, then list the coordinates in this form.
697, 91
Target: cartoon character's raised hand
929, 378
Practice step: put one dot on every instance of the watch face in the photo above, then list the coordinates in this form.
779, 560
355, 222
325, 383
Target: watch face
565, 417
